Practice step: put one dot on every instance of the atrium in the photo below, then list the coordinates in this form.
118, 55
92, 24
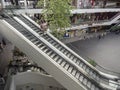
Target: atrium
59, 44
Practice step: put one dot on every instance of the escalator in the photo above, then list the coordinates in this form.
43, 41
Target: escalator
69, 54
38, 50
76, 59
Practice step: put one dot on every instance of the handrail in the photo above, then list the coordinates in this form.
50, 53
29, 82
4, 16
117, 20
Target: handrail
87, 59
107, 71
99, 21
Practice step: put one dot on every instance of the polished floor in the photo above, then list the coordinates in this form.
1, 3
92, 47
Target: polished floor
105, 51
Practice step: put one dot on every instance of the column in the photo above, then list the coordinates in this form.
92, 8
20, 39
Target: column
3, 3
78, 3
25, 4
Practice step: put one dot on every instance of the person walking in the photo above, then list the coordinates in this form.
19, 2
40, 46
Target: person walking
43, 26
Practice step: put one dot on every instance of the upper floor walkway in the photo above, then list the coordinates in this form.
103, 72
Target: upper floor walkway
74, 11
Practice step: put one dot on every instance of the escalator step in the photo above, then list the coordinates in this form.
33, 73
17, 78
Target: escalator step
81, 64
78, 62
42, 47
59, 61
81, 78
52, 55
66, 66
49, 52
63, 63
74, 72
75, 60
89, 84
93, 87
87, 69
56, 58
70, 69
84, 67
85, 81
46, 50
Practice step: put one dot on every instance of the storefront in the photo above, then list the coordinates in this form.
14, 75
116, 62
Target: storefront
75, 33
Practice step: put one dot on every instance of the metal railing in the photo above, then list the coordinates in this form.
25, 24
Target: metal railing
102, 69
99, 21
33, 4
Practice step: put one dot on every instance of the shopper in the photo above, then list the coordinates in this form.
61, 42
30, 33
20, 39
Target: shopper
99, 36
43, 26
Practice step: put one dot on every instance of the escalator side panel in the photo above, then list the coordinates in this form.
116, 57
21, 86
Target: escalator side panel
40, 58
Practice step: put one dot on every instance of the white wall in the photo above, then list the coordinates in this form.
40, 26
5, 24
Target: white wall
35, 80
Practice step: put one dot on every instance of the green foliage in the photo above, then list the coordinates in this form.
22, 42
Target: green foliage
17, 52
57, 13
92, 62
115, 28
58, 34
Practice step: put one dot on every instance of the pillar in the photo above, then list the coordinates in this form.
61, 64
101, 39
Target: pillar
3, 3
25, 4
